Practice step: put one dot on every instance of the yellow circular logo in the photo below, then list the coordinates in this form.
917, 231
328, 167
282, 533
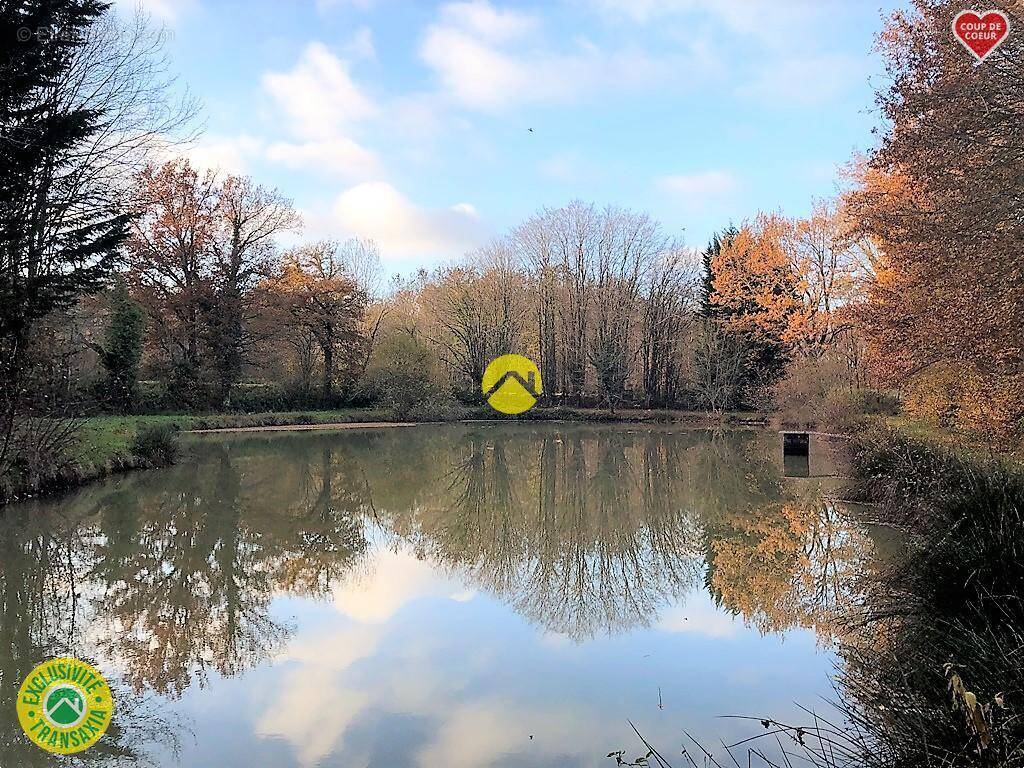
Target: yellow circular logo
512, 384
65, 705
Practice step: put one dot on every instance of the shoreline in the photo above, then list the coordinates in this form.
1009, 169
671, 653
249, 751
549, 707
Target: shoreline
104, 447
335, 425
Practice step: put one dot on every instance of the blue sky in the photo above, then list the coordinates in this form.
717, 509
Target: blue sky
407, 122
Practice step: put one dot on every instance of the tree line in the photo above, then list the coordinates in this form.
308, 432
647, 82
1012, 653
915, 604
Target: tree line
607, 303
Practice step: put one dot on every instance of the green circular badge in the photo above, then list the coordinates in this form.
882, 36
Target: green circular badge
64, 706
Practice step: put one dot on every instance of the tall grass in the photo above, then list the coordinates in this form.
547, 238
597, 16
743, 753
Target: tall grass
934, 666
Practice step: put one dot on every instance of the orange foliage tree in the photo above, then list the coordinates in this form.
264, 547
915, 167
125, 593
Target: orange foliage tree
757, 294
320, 308
940, 197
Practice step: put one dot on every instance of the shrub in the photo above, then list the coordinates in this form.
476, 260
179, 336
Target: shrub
961, 397
156, 446
816, 392
404, 375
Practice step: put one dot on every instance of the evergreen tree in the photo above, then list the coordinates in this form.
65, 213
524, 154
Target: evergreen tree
59, 227
122, 347
718, 241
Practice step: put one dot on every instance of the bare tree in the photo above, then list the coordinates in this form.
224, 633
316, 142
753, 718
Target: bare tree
719, 362
628, 247
248, 220
669, 311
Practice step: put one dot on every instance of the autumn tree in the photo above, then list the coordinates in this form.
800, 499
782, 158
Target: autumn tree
938, 197
197, 250
756, 295
171, 268
824, 255
317, 293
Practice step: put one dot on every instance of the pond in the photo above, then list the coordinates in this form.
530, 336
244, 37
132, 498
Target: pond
442, 595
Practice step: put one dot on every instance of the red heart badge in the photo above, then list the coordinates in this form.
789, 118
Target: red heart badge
981, 33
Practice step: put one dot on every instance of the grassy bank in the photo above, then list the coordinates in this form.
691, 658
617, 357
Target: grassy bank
934, 669
105, 445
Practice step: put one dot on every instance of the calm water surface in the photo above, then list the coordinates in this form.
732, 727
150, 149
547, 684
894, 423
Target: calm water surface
459, 595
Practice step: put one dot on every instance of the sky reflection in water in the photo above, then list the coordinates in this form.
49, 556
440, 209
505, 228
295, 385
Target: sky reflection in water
457, 595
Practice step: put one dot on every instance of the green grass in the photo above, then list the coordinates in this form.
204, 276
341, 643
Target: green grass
971, 444
103, 439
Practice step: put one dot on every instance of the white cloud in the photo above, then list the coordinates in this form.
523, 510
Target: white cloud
483, 732
394, 580
700, 616
402, 229
789, 55
476, 75
321, 102
699, 190
490, 60
229, 154
484, 20
311, 710
338, 156
168, 12
318, 95
768, 20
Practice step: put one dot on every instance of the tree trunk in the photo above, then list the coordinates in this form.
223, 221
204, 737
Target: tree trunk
328, 382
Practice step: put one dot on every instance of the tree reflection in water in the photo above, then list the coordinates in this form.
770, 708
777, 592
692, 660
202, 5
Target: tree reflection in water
43, 612
790, 563
587, 530
583, 530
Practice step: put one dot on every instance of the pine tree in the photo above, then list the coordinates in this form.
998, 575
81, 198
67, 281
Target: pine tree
718, 241
122, 347
58, 234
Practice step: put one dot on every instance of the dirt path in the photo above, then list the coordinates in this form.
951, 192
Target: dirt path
306, 427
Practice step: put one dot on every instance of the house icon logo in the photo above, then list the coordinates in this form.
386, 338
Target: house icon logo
64, 705
512, 384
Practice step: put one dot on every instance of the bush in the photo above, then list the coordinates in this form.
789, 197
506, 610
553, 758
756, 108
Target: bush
156, 446
945, 620
404, 375
262, 397
816, 392
960, 397
444, 409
